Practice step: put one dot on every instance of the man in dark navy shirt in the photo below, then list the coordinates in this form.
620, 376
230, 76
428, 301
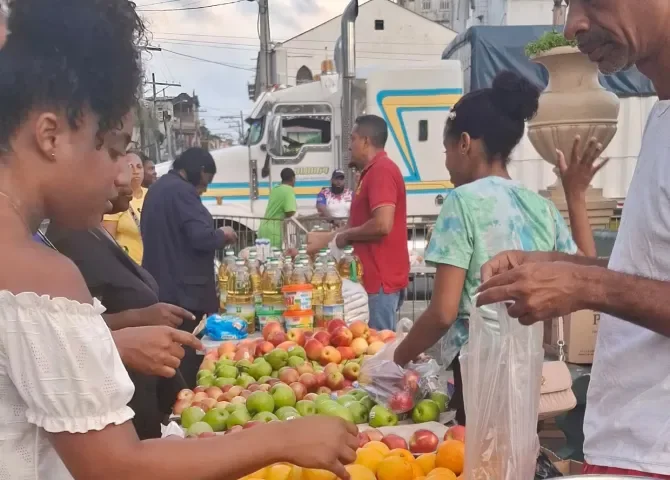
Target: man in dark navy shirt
180, 241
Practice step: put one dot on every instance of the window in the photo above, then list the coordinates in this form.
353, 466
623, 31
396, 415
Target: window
304, 75
304, 126
423, 130
255, 132
379, 24
444, 4
427, 4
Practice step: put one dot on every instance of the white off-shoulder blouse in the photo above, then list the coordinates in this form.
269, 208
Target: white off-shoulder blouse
60, 371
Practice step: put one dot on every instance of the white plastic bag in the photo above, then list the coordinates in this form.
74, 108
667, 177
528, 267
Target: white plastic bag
502, 375
356, 306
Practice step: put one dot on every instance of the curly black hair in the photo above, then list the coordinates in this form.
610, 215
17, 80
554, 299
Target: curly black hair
71, 55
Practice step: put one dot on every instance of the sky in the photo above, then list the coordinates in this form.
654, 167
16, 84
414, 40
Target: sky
224, 34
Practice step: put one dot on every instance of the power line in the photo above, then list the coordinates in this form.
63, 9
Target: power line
191, 8
157, 3
229, 65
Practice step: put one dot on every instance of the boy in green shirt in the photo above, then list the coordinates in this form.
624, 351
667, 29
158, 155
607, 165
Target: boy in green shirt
282, 204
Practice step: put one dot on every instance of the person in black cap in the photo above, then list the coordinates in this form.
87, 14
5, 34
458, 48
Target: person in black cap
335, 201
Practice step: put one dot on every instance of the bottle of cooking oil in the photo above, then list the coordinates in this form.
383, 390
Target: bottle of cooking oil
333, 303
302, 256
317, 293
240, 299
299, 275
287, 270
227, 266
254, 267
306, 264
272, 307
350, 266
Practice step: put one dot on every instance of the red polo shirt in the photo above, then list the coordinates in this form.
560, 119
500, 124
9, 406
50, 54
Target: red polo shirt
385, 262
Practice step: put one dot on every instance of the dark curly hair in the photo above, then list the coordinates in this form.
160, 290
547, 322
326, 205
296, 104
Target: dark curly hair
70, 55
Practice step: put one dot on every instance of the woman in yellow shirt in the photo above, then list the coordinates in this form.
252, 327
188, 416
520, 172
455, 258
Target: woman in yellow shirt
125, 226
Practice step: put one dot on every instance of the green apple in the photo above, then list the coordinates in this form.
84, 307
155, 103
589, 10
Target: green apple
287, 413
222, 382
325, 406
191, 415
260, 369
224, 361
231, 407
283, 396
367, 402
258, 359
265, 417
297, 352
382, 417
295, 361
358, 412
425, 411
238, 417
199, 428
244, 380
216, 418
322, 397
243, 365
260, 402
305, 408
204, 373
207, 381
277, 358
227, 371
264, 379
358, 394
442, 400
274, 374
340, 411
344, 399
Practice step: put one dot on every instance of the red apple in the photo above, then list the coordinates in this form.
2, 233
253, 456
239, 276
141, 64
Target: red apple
277, 337
208, 364
225, 388
212, 354
214, 392
320, 378
222, 404
288, 376
321, 390
271, 327
181, 405
299, 389
359, 329
347, 353
456, 432
323, 337
335, 381
233, 429
262, 348
254, 387
362, 439
251, 424
375, 347
265, 387
199, 389
311, 397
330, 355
305, 368
386, 335
334, 325
394, 441
308, 334
226, 347
411, 380
242, 354
208, 403
374, 435
359, 346
423, 441
207, 435
330, 368
341, 337
297, 335
348, 384
374, 338
351, 371
246, 393
401, 402
199, 397
286, 346
313, 349
309, 381
229, 356
185, 394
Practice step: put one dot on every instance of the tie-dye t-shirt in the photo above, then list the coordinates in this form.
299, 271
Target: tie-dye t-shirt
480, 220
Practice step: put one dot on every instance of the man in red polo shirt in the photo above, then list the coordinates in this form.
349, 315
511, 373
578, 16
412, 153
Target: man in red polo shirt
378, 222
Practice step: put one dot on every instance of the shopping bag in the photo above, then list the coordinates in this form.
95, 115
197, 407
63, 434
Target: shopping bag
502, 372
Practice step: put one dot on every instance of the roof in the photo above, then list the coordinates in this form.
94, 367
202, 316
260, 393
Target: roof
369, 2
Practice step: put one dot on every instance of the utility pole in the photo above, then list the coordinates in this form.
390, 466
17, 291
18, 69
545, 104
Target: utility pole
265, 63
154, 84
559, 13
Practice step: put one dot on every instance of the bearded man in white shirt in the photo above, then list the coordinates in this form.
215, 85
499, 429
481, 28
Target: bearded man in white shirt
627, 427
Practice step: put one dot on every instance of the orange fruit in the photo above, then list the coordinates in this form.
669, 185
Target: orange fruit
313, 474
418, 471
379, 446
395, 468
451, 455
359, 472
441, 474
426, 462
369, 458
401, 452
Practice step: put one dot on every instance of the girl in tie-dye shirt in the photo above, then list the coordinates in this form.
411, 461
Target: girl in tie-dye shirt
488, 213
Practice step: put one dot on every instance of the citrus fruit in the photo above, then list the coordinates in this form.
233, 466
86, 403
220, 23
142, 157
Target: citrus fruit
426, 462
451, 455
313, 474
369, 457
359, 472
379, 446
395, 468
418, 471
402, 453
441, 474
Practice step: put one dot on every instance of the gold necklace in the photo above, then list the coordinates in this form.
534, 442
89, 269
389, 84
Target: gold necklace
16, 209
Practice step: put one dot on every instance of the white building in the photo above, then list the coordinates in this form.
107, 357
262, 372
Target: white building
386, 34
436, 10
469, 13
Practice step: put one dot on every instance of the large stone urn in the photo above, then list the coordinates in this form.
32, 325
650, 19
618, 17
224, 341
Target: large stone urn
574, 103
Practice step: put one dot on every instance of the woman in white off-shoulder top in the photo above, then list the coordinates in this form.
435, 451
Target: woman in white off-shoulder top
69, 74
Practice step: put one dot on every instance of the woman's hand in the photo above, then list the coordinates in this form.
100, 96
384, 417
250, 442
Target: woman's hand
578, 173
320, 442
164, 314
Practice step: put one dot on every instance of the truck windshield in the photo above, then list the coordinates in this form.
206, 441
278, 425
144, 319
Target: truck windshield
255, 133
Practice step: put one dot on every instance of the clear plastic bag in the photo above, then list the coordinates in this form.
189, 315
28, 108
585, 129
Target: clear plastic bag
394, 387
502, 375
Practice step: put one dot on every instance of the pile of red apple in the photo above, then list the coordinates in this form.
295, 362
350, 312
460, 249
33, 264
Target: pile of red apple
421, 441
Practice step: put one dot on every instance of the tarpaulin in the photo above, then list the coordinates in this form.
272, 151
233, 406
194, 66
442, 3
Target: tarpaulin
485, 51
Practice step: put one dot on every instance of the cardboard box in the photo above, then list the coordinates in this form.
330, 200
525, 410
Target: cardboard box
569, 467
580, 331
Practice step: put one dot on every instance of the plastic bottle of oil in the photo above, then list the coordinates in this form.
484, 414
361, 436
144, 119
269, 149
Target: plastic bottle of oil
302, 256
273, 306
254, 267
308, 269
350, 266
317, 293
287, 270
240, 300
333, 303
299, 275
227, 266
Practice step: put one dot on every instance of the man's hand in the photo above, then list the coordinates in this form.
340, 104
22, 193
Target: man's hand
509, 260
164, 314
229, 234
155, 351
539, 291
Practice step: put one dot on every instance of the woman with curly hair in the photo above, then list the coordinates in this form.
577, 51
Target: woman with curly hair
69, 76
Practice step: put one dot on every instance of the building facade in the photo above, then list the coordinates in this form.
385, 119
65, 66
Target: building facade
469, 13
436, 10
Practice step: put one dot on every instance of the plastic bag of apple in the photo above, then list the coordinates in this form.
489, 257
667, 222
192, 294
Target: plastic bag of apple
399, 389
